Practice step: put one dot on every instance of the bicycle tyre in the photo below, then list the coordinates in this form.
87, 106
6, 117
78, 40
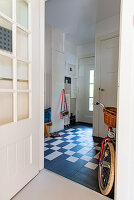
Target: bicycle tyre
110, 183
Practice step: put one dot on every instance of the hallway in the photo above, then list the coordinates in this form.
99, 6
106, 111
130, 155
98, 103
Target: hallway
50, 186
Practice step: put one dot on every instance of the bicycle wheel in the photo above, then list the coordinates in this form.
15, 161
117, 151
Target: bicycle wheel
107, 169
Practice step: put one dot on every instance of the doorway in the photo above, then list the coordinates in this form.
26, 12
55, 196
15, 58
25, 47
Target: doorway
86, 89
74, 154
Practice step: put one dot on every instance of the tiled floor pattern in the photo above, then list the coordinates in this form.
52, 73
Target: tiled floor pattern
74, 155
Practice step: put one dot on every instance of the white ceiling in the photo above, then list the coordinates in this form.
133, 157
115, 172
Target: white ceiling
78, 18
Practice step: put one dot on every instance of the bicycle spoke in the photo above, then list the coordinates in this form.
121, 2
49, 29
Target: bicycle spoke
105, 168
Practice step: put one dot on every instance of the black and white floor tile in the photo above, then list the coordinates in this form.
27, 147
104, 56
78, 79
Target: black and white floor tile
74, 155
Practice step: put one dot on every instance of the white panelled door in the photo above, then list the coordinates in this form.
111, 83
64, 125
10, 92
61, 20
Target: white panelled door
19, 95
84, 114
108, 78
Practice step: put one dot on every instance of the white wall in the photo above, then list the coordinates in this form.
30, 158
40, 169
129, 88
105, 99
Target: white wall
104, 30
105, 27
70, 53
71, 58
58, 69
55, 70
108, 26
86, 50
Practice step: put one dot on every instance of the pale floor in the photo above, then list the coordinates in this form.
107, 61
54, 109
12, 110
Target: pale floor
50, 186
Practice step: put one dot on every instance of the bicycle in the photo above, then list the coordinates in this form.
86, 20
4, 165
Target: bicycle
106, 171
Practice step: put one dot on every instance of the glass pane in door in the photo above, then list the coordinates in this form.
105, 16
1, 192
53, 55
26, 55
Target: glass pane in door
5, 36
91, 90
6, 7
22, 75
22, 44
90, 104
91, 76
22, 13
6, 73
23, 106
6, 108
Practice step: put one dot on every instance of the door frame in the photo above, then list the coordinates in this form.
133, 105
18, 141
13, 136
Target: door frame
97, 79
79, 58
85, 56
42, 83
123, 186
125, 119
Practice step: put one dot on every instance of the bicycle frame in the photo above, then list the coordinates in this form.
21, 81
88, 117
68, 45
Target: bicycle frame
106, 139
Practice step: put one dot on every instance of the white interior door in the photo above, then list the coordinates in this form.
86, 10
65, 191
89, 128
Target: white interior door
84, 113
19, 105
108, 78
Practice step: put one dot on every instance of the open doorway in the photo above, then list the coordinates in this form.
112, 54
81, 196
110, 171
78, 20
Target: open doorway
82, 58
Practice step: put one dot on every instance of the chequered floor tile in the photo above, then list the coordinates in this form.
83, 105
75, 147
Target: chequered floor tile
70, 153
45, 148
53, 155
70, 141
72, 159
97, 156
86, 158
71, 129
57, 142
56, 148
74, 155
69, 146
91, 165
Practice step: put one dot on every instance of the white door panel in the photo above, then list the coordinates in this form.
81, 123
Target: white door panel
18, 156
108, 78
19, 147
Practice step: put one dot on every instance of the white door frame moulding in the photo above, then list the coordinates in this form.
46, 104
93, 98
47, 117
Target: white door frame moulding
124, 185
42, 82
125, 137
85, 56
97, 78
107, 36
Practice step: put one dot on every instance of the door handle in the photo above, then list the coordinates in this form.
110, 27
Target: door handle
100, 89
